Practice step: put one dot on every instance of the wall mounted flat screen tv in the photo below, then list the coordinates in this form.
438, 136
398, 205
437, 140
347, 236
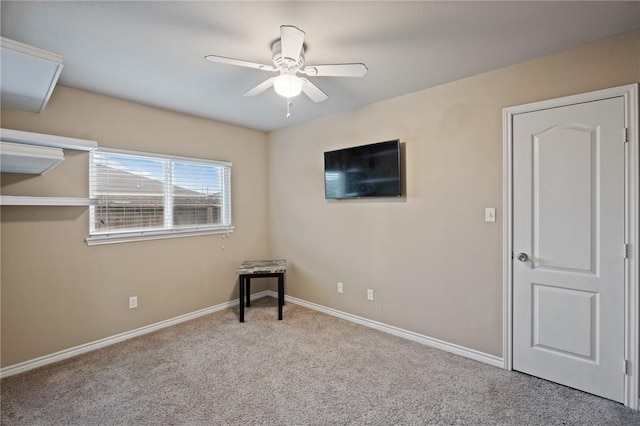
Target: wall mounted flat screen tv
363, 171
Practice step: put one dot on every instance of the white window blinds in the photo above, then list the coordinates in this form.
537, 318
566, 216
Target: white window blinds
147, 194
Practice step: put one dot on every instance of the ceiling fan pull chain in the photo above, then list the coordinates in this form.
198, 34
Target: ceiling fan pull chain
288, 107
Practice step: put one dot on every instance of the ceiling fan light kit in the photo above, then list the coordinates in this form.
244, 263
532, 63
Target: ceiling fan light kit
288, 59
287, 85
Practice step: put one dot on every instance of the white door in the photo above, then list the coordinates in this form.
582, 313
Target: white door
568, 244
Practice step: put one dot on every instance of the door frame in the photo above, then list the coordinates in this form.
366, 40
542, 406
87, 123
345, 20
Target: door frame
632, 318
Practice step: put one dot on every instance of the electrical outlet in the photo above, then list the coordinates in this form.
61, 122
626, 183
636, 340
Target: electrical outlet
369, 294
340, 288
133, 302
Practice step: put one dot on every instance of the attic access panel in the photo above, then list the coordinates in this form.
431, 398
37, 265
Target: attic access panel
28, 75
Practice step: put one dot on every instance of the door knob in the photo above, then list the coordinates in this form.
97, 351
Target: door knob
522, 257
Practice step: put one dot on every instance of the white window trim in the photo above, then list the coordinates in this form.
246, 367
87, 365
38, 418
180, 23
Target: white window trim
116, 237
125, 237
169, 156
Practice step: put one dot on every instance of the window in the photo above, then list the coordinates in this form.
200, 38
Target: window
148, 196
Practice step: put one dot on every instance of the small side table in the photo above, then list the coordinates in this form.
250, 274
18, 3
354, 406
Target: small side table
260, 269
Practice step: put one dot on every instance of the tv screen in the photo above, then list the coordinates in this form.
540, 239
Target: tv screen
363, 171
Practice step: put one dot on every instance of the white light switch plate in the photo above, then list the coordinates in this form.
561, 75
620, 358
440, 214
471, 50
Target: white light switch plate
490, 214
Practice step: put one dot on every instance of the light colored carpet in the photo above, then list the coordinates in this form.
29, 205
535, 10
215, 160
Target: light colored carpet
310, 369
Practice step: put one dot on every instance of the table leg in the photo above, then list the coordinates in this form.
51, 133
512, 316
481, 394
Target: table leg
241, 283
248, 290
280, 295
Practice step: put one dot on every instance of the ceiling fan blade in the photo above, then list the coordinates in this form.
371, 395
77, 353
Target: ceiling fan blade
312, 91
336, 70
231, 61
261, 87
291, 39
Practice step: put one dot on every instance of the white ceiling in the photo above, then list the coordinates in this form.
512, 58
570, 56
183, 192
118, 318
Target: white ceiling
153, 52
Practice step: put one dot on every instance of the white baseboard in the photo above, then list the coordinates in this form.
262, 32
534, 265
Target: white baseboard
405, 334
92, 346
97, 344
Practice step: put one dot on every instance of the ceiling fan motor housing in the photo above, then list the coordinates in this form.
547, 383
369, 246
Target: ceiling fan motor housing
288, 65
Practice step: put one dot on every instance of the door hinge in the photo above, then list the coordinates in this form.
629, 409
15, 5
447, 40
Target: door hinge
625, 251
625, 135
626, 368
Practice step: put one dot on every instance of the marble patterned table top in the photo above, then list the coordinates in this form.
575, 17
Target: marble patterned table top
262, 267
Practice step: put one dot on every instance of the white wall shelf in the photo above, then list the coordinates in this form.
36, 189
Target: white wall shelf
42, 139
13, 200
29, 75
36, 153
28, 159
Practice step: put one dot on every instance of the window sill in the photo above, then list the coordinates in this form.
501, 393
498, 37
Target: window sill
95, 240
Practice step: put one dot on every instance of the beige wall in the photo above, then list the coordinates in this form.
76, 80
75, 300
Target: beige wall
57, 292
434, 264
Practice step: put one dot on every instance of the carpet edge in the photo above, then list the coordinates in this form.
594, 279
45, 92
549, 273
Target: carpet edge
492, 360
25, 366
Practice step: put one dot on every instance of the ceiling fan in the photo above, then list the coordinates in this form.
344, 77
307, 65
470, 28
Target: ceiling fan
289, 61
